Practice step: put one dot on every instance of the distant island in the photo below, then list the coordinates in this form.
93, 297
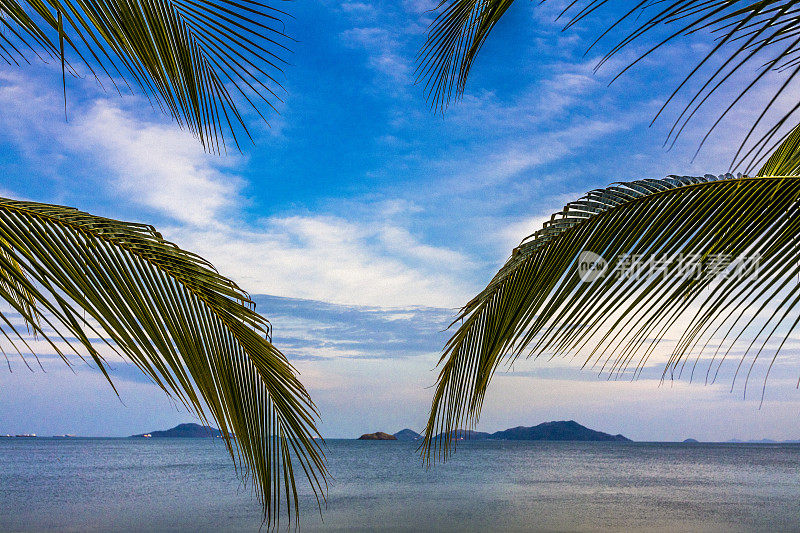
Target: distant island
407, 435
402, 435
182, 431
378, 435
564, 430
691, 441
547, 431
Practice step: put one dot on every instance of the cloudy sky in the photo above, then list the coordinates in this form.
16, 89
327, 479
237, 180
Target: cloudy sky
362, 220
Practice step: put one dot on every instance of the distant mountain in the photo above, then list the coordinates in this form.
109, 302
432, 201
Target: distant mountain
378, 435
184, 431
463, 434
547, 431
691, 441
407, 435
564, 430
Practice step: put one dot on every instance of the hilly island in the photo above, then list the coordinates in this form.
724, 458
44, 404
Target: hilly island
185, 431
565, 430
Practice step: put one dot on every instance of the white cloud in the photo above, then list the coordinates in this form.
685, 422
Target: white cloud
357, 8
402, 242
372, 260
331, 259
569, 85
383, 51
156, 165
419, 6
504, 159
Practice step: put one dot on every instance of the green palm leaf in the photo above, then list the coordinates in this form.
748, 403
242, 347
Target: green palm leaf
751, 37
200, 60
99, 282
454, 39
785, 161
539, 304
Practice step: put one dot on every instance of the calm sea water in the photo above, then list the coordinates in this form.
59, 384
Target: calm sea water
189, 484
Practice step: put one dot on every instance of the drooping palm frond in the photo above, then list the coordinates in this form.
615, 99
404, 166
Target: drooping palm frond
751, 37
197, 59
611, 274
10, 274
98, 284
454, 40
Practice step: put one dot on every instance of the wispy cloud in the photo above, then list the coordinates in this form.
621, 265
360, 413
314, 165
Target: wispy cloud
331, 259
390, 40
383, 51
311, 329
198, 198
358, 8
157, 165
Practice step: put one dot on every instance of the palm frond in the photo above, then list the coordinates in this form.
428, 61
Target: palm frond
200, 60
636, 235
103, 283
785, 161
10, 274
454, 40
750, 37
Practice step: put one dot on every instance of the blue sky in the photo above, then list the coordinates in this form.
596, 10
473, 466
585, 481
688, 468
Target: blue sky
363, 220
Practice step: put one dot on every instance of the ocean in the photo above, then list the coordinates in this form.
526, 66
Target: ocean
190, 485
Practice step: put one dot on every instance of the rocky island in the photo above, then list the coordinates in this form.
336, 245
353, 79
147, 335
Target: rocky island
378, 435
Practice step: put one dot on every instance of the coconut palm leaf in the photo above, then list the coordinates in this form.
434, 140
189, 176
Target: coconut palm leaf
785, 161
454, 39
200, 60
751, 37
602, 281
86, 284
